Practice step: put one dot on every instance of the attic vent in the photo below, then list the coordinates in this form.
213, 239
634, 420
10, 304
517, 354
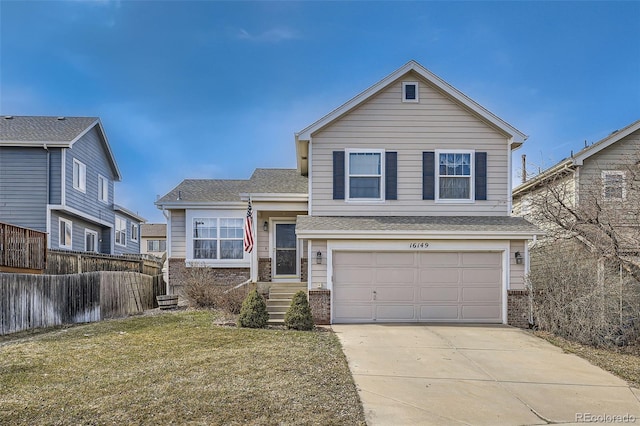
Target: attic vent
61, 118
8, 117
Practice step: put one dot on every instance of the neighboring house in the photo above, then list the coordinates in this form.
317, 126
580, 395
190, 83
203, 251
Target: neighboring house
603, 174
399, 210
57, 175
154, 239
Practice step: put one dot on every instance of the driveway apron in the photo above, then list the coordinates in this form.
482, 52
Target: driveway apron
477, 375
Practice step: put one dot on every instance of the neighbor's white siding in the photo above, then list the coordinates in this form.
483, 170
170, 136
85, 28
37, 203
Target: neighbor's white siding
385, 122
178, 240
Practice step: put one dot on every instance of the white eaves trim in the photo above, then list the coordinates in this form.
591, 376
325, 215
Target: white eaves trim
283, 197
78, 213
516, 136
415, 235
579, 158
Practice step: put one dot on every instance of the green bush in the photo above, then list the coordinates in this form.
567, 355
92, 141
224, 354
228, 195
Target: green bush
298, 315
253, 313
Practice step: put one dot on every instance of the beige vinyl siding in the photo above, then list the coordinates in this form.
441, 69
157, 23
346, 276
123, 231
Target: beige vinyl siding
318, 271
385, 122
178, 234
517, 272
262, 236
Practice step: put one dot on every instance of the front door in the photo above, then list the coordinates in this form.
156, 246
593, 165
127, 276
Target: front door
286, 252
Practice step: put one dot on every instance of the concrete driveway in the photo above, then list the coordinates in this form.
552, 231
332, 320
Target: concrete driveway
477, 375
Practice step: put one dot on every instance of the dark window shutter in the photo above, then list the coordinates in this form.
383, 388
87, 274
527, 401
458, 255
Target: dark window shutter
428, 175
481, 175
391, 175
338, 175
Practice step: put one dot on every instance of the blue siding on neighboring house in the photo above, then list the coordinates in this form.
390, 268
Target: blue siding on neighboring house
90, 151
131, 245
23, 187
55, 176
78, 233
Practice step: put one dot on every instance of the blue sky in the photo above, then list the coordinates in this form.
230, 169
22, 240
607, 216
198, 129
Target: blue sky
206, 89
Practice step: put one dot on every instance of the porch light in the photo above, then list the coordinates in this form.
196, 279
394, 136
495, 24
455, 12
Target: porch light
518, 258
265, 226
319, 258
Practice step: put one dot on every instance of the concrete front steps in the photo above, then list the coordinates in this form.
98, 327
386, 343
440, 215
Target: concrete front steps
280, 296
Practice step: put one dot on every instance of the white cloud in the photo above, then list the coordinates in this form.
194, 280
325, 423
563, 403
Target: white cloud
273, 35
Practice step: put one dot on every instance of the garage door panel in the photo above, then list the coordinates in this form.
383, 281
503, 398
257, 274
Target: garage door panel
480, 276
354, 313
354, 294
349, 276
394, 276
354, 259
480, 294
395, 313
439, 294
481, 259
395, 294
439, 275
439, 313
481, 312
438, 259
395, 259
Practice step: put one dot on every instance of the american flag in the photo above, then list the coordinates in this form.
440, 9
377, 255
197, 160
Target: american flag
248, 230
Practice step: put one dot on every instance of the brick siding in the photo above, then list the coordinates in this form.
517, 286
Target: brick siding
320, 303
264, 269
518, 308
179, 274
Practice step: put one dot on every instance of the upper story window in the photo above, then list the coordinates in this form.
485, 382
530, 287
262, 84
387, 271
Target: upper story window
134, 232
79, 175
103, 189
613, 185
410, 91
156, 245
455, 175
65, 236
218, 238
121, 231
365, 175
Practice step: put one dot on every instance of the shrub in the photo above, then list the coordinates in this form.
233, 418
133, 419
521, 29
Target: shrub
253, 313
203, 292
298, 315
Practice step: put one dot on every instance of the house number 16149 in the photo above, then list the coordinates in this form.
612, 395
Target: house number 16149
422, 245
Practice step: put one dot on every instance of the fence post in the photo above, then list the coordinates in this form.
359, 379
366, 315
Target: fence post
79, 258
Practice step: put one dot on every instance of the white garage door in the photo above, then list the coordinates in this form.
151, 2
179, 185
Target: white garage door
423, 286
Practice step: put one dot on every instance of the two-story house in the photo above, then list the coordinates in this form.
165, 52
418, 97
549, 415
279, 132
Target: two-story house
399, 210
153, 239
57, 175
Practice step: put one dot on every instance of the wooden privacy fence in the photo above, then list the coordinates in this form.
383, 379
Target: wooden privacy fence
61, 262
22, 249
35, 301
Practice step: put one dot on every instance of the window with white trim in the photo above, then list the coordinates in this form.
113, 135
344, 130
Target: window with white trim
79, 176
121, 231
218, 238
156, 245
90, 240
455, 175
103, 189
613, 185
410, 91
65, 237
365, 177
134, 232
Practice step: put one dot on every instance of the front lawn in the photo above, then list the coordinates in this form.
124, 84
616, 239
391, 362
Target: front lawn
176, 368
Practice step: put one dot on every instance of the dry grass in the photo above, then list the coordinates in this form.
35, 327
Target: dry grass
624, 361
176, 368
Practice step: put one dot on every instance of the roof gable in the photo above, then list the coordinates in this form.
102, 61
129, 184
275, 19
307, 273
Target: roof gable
614, 137
59, 132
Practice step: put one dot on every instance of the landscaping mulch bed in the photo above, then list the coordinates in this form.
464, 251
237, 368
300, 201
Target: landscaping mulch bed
176, 367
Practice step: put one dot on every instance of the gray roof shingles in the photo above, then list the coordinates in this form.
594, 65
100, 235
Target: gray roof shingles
42, 129
272, 181
416, 223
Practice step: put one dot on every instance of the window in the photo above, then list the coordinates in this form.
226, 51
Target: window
66, 234
90, 240
613, 185
156, 245
121, 231
410, 91
79, 176
218, 238
454, 175
103, 189
134, 232
364, 171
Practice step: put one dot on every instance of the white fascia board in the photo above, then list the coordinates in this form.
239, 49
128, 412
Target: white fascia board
180, 205
516, 135
80, 214
579, 158
414, 235
560, 167
36, 144
282, 197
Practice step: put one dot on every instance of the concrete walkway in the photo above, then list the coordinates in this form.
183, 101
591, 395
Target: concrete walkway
477, 375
